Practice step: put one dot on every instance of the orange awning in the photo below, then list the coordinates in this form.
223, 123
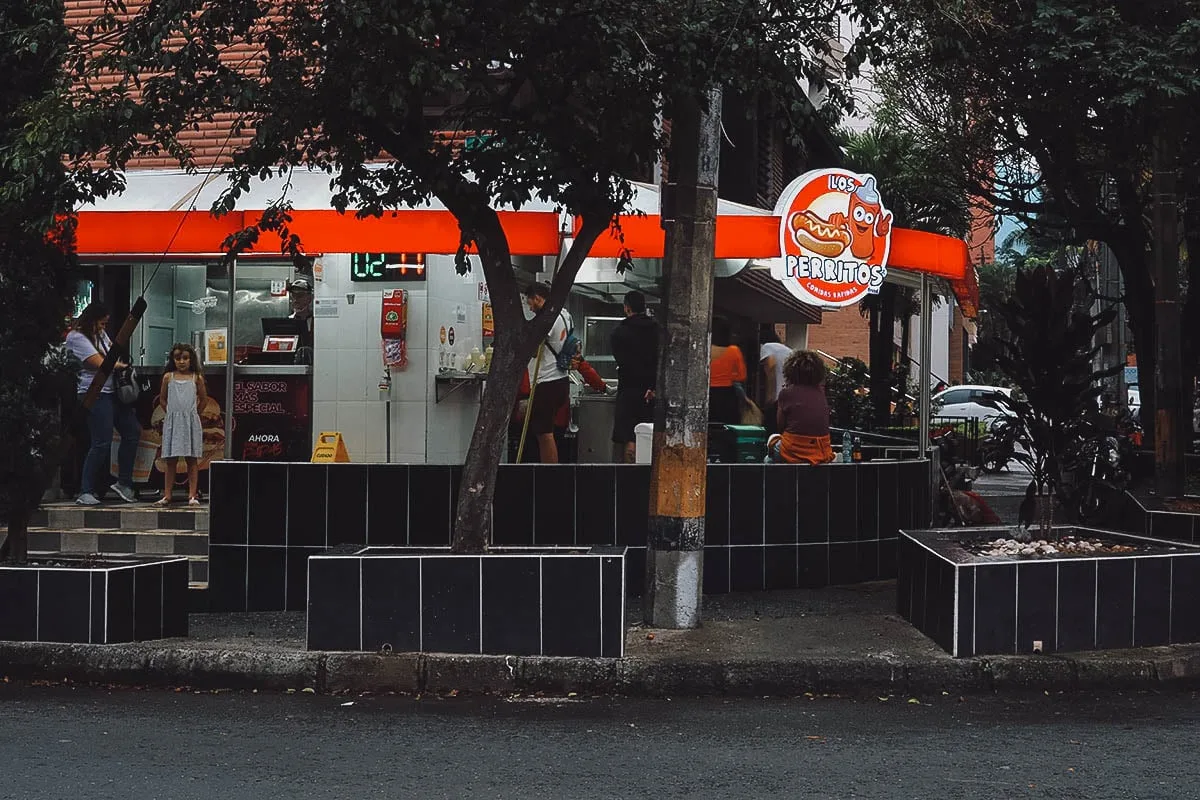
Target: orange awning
530, 233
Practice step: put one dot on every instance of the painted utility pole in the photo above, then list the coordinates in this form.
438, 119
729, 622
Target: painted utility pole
675, 538
1168, 384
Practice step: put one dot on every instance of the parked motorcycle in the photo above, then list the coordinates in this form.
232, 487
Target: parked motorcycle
999, 446
1104, 469
957, 504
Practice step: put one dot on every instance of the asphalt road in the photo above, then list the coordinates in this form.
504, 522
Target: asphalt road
61, 742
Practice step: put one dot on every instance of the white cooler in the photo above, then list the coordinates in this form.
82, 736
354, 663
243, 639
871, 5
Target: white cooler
643, 438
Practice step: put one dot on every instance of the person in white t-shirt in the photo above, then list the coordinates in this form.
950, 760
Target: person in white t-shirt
771, 355
551, 389
88, 341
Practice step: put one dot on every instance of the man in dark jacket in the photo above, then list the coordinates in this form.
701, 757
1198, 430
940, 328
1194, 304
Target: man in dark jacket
635, 349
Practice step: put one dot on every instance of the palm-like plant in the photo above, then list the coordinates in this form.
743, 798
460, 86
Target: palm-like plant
910, 179
1049, 353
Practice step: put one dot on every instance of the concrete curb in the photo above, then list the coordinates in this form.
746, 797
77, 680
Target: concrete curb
1165, 668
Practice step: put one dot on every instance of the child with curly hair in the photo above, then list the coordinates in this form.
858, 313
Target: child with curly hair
802, 412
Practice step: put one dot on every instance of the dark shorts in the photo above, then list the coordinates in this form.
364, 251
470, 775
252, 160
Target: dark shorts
631, 408
548, 398
723, 405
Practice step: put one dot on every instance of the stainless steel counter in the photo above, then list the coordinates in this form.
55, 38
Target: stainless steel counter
595, 418
269, 369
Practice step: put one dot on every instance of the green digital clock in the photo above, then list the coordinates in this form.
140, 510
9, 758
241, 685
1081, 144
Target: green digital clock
370, 267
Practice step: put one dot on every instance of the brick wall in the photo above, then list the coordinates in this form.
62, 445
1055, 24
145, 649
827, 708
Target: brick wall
841, 333
956, 349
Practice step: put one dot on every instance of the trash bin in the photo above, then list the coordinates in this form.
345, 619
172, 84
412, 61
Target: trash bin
643, 437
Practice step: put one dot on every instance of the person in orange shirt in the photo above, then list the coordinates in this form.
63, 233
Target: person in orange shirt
726, 367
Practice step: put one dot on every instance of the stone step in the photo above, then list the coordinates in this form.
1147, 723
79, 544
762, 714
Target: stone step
111, 541
126, 517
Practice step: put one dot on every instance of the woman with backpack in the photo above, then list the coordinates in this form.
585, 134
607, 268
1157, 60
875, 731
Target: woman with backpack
551, 389
88, 341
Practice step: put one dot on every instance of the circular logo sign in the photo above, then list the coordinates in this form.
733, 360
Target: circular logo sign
834, 237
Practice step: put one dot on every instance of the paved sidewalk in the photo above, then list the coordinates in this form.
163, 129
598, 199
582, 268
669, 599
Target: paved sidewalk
845, 640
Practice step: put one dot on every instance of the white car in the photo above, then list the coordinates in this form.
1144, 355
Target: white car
971, 402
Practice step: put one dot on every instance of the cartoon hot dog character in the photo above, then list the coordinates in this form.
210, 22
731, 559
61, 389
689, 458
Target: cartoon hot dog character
864, 219
814, 234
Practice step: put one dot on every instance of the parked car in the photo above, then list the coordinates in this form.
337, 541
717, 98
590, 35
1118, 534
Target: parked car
971, 402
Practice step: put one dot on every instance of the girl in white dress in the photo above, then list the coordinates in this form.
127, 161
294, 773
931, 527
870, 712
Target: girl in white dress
182, 395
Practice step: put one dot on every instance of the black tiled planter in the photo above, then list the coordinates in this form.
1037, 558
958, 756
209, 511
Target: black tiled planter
781, 526
511, 601
988, 605
117, 600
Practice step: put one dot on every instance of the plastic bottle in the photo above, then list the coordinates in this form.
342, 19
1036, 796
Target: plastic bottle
475, 360
856, 451
487, 359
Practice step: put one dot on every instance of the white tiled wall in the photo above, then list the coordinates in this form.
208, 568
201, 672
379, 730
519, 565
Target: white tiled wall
348, 366
451, 422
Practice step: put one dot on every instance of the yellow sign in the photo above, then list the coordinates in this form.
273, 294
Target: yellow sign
215, 351
330, 449
489, 322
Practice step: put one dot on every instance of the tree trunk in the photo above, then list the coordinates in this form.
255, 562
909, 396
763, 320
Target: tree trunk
515, 343
883, 322
1191, 307
1137, 267
678, 472
1168, 430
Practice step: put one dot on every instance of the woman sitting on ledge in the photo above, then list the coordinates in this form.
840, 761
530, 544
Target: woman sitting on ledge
803, 412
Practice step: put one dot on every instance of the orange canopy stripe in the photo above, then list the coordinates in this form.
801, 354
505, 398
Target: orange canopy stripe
530, 233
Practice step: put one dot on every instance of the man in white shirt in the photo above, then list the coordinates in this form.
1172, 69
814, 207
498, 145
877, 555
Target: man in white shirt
551, 389
771, 355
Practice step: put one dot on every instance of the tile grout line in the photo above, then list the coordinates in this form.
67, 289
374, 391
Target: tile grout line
974, 611
1171, 602
541, 610
954, 616
1057, 606
1016, 610
480, 559
1133, 609
600, 569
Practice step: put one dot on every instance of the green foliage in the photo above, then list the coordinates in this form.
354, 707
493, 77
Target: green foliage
563, 103
37, 273
920, 195
1049, 356
845, 391
912, 176
561, 99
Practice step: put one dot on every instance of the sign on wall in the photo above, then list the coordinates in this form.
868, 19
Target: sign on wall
834, 237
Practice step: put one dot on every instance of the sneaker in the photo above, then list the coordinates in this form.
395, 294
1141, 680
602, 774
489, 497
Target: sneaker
87, 499
124, 492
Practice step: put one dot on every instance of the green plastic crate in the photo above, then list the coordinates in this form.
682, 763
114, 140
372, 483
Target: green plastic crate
737, 444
